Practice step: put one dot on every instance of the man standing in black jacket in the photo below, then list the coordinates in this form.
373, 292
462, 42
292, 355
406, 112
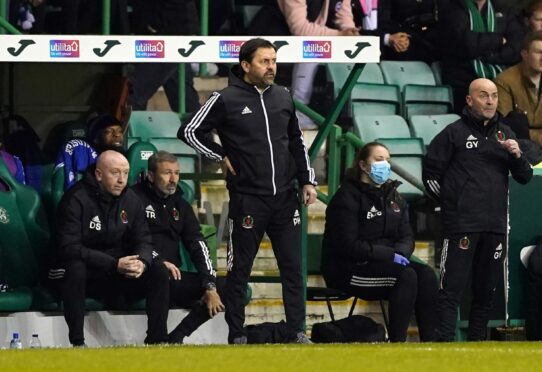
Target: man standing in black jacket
263, 151
172, 220
105, 248
466, 168
481, 39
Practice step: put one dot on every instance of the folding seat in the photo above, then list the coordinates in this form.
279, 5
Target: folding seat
24, 240
427, 100
376, 99
372, 127
427, 127
401, 73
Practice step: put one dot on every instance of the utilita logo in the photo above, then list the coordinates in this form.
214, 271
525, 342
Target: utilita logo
64, 48
150, 48
316, 49
229, 48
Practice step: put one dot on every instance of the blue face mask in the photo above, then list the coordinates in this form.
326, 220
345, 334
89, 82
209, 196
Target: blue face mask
380, 171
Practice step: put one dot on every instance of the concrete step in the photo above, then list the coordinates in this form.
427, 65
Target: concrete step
205, 86
265, 261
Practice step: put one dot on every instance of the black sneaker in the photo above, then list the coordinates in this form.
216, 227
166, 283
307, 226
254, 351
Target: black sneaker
176, 338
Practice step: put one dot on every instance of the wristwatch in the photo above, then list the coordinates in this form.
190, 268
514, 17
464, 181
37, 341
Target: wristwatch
210, 286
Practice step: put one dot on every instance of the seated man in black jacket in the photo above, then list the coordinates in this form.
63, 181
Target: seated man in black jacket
105, 247
171, 220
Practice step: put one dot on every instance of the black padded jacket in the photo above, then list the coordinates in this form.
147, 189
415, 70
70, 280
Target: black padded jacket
98, 228
364, 223
259, 135
172, 220
466, 169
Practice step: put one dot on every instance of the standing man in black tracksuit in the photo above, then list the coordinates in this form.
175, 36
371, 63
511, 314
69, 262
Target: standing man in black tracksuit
466, 168
105, 248
172, 220
262, 150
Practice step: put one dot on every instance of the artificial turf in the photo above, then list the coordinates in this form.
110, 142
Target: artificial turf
487, 356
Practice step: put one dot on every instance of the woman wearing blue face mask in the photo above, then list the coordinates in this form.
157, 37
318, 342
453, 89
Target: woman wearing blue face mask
368, 242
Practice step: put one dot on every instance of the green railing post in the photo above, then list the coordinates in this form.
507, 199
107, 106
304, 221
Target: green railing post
334, 160
5, 25
3, 14
106, 17
204, 30
336, 109
349, 154
182, 88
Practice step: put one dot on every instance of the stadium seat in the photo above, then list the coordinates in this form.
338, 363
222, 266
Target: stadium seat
138, 156
406, 153
376, 99
160, 128
427, 100
23, 242
371, 127
401, 73
153, 124
436, 67
62, 133
427, 127
338, 72
209, 233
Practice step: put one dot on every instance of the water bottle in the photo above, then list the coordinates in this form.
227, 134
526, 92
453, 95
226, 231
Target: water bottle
35, 342
16, 342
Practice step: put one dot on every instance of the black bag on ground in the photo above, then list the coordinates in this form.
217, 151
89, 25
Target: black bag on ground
355, 328
269, 333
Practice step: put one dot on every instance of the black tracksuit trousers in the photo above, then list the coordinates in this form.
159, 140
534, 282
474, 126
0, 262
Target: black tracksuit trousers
80, 281
409, 289
250, 216
482, 255
187, 293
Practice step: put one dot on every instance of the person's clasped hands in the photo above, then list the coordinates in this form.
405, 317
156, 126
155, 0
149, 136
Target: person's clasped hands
131, 266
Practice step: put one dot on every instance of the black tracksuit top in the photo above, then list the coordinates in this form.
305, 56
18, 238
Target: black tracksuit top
466, 168
172, 220
259, 135
98, 228
364, 223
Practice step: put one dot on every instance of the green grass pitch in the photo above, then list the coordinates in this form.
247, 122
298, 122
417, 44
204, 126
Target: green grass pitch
488, 356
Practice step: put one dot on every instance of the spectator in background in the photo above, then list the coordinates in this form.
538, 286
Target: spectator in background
418, 19
163, 17
519, 86
533, 16
85, 16
105, 132
105, 249
14, 165
304, 18
333, 18
478, 40
368, 243
172, 220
